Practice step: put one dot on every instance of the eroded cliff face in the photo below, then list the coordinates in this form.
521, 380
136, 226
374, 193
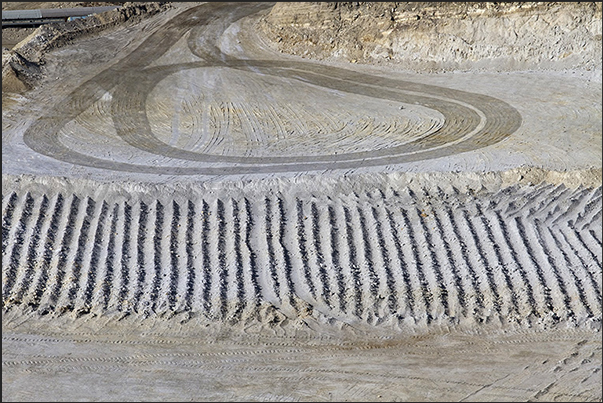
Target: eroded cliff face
442, 36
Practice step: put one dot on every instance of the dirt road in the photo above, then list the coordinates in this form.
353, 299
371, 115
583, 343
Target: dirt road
186, 208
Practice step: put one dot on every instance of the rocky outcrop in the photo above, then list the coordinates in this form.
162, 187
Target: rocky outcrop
441, 36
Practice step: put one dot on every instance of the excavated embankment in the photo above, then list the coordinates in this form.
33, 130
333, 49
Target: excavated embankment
442, 36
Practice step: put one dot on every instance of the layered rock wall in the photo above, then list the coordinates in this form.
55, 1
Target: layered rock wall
442, 36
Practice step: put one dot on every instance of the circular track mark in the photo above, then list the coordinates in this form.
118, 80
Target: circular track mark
471, 121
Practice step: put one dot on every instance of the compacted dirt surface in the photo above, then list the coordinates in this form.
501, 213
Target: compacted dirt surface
304, 201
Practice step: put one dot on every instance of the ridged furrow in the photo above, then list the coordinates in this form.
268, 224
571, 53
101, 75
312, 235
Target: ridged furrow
335, 258
141, 261
303, 246
552, 269
221, 255
425, 257
533, 201
68, 228
481, 262
67, 279
92, 270
125, 229
389, 292
108, 283
253, 265
238, 272
405, 294
452, 285
155, 280
589, 243
473, 296
575, 205
573, 285
527, 304
272, 264
591, 214
8, 211
430, 241
26, 276
509, 298
532, 266
206, 267
373, 263
589, 278
422, 295
324, 280
176, 260
215, 263
11, 267
285, 251
49, 236
352, 262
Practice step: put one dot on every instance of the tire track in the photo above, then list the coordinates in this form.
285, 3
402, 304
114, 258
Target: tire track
470, 121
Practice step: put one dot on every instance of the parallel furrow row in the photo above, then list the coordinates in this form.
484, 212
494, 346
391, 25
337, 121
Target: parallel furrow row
511, 256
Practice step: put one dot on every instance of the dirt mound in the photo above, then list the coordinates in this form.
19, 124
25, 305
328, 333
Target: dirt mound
18, 73
21, 66
437, 36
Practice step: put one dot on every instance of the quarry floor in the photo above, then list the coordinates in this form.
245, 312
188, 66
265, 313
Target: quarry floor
189, 215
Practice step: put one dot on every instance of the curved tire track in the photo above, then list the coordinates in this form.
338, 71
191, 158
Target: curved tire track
471, 121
